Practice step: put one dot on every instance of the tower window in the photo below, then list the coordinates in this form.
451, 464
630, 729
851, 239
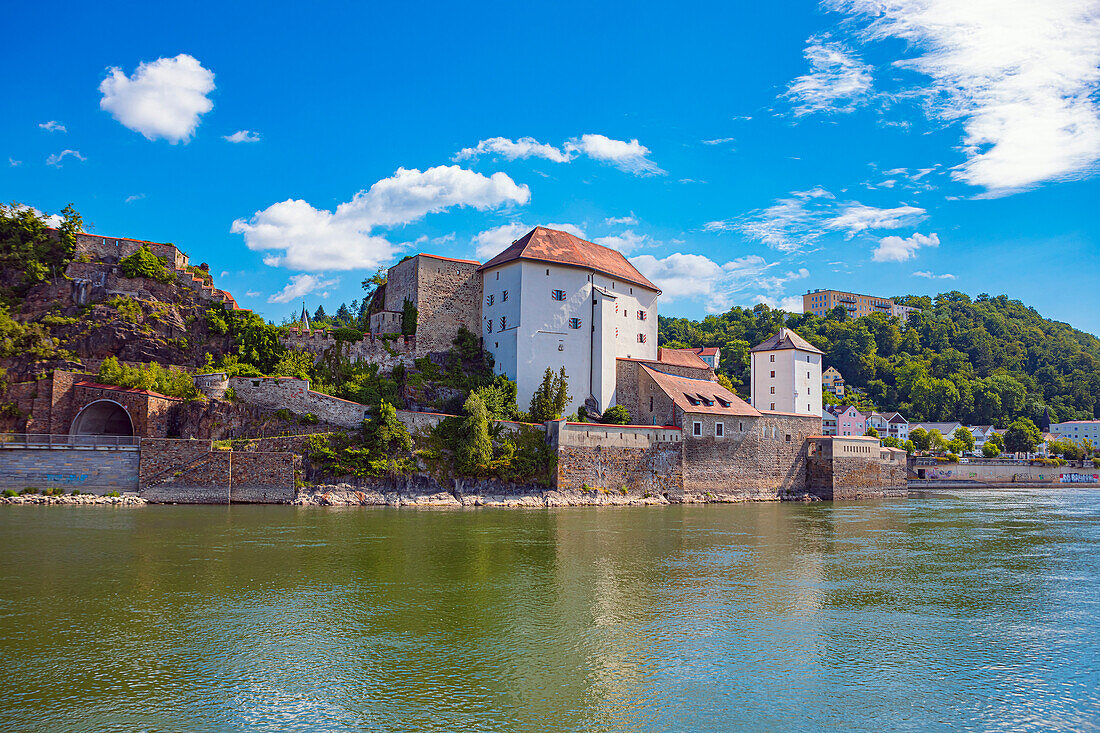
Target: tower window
641, 338
574, 323
557, 294
697, 428
641, 315
503, 322
771, 358
489, 326
504, 298
719, 430
488, 300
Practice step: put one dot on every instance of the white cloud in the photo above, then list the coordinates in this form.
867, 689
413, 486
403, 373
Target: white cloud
719, 287
1021, 76
242, 136
838, 81
790, 303
622, 220
856, 218
626, 156
52, 220
630, 157
135, 197
58, 158
525, 147
52, 126
933, 276
299, 286
717, 141
315, 240
13, 162
492, 242
898, 249
626, 242
788, 225
163, 98
252, 293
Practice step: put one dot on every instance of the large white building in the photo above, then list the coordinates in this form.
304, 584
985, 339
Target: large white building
786, 374
1078, 430
554, 300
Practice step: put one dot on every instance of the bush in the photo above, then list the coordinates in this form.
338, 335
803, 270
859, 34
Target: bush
28, 490
114, 494
127, 309
308, 419
9, 493
952, 458
616, 415
152, 377
75, 492
230, 394
144, 263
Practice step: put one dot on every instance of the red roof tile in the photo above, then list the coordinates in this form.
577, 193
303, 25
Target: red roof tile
116, 388
562, 248
679, 388
786, 339
681, 357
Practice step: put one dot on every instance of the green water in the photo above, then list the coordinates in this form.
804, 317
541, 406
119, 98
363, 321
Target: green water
974, 611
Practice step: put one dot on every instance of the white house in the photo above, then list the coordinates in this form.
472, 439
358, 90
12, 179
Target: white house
828, 423
554, 300
786, 374
1078, 430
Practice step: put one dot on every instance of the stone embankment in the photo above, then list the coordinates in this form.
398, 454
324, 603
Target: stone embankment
83, 499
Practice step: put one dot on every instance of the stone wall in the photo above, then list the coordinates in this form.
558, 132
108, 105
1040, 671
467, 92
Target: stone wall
191, 471
373, 349
634, 388
446, 293
114, 249
854, 467
97, 470
295, 395
614, 458
764, 461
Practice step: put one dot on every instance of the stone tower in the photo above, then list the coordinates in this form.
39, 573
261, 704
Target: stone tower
786, 375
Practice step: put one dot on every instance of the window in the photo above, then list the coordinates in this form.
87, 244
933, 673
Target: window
574, 323
740, 427
772, 407
488, 300
697, 428
498, 276
616, 333
691, 399
788, 437
547, 273
557, 294
641, 315
489, 326
504, 299
764, 433
773, 390
807, 373
641, 338
719, 430
772, 358
503, 322
773, 374
651, 403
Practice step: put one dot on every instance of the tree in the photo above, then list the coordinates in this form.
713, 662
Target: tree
343, 315
385, 434
891, 442
871, 432
616, 415
143, 263
474, 448
965, 438
956, 446
294, 363
919, 438
1022, 436
936, 441
909, 447
319, 314
551, 397
499, 398
990, 450
408, 318
998, 440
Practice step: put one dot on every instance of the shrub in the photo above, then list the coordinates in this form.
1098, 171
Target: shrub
29, 490
308, 419
127, 309
144, 263
75, 492
9, 493
151, 376
230, 394
474, 449
616, 415
114, 494
952, 458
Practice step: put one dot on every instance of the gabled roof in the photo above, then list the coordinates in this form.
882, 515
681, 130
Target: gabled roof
684, 391
130, 390
706, 350
786, 339
681, 357
562, 248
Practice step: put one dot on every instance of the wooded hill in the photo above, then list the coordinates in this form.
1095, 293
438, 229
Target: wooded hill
982, 361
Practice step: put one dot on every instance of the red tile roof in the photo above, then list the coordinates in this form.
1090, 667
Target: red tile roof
682, 390
681, 357
562, 248
449, 259
786, 339
706, 350
116, 388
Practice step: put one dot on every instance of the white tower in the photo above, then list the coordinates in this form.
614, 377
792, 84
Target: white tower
786, 375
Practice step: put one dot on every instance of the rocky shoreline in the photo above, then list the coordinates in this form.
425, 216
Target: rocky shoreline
82, 499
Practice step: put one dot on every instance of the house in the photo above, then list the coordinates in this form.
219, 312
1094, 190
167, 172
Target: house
828, 422
832, 381
889, 425
785, 374
710, 354
850, 421
1078, 430
981, 434
553, 300
947, 429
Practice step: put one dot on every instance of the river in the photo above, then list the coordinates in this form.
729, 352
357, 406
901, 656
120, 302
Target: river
975, 610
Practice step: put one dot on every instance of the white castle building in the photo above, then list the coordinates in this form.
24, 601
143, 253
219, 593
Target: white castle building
786, 374
554, 300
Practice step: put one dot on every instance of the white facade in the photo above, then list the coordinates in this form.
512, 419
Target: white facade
786, 380
1078, 430
527, 328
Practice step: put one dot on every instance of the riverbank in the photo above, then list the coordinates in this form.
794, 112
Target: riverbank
83, 499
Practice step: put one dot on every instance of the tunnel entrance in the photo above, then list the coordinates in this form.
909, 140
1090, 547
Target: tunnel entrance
102, 417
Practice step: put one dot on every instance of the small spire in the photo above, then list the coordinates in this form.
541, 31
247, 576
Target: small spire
303, 321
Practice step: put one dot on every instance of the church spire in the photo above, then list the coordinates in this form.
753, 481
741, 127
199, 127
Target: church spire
303, 321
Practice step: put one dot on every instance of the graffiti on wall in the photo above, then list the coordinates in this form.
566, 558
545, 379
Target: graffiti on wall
1079, 478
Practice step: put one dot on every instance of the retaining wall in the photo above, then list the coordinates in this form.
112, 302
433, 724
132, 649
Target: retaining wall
96, 470
191, 471
292, 394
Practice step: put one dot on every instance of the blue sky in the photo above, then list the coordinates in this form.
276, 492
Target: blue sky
737, 153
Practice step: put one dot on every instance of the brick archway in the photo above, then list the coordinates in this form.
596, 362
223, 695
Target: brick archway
102, 417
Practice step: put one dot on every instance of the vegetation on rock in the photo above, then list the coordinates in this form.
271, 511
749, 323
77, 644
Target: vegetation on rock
29, 252
143, 263
152, 377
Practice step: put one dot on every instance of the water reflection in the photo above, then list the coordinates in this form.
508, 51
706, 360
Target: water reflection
974, 611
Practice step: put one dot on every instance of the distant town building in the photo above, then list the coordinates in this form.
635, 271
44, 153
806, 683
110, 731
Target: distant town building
1078, 430
849, 421
786, 374
820, 302
947, 429
710, 354
982, 434
828, 422
889, 425
832, 381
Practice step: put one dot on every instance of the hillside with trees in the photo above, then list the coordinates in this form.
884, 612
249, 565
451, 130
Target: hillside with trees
983, 361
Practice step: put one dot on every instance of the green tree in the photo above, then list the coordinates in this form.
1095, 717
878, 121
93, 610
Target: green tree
408, 318
386, 435
919, 437
998, 440
474, 451
143, 263
966, 439
1022, 436
909, 447
616, 415
294, 363
551, 397
499, 398
871, 432
936, 441
990, 450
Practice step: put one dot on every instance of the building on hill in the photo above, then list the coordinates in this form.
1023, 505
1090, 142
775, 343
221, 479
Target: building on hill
553, 300
785, 374
710, 354
1078, 430
849, 421
820, 302
828, 422
947, 429
445, 293
888, 425
832, 382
